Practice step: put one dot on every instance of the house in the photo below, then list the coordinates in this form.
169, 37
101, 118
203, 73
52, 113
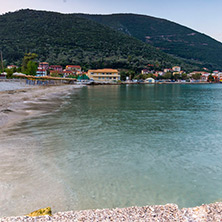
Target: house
41, 72
104, 75
220, 75
178, 73
76, 69
3, 75
145, 71
167, 70
203, 74
12, 66
150, 80
56, 73
43, 65
159, 73
56, 68
204, 77
67, 73
176, 68
42, 69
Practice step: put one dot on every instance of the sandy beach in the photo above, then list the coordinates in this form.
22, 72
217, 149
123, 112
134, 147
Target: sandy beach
15, 99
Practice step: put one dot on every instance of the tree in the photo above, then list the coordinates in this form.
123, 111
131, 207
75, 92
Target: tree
167, 75
184, 76
123, 75
128, 73
31, 68
210, 78
9, 73
196, 76
28, 57
176, 76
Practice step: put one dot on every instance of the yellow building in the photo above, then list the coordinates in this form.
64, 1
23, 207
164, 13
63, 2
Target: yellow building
104, 75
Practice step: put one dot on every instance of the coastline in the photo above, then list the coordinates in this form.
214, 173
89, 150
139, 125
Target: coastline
168, 212
14, 104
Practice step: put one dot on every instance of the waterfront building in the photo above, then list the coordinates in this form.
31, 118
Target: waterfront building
145, 71
176, 68
55, 73
12, 66
167, 70
159, 73
204, 77
198, 72
104, 75
3, 75
74, 68
150, 80
67, 73
41, 72
43, 65
56, 68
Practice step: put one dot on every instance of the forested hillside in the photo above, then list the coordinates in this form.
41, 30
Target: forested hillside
168, 36
70, 39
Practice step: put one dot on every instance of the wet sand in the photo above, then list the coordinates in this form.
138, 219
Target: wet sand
14, 103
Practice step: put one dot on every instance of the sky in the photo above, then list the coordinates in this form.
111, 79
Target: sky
201, 15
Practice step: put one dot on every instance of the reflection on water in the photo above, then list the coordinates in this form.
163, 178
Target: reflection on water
116, 146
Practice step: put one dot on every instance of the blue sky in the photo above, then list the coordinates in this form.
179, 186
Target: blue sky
202, 15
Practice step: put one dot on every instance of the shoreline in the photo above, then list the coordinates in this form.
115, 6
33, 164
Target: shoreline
148, 83
168, 212
15, 103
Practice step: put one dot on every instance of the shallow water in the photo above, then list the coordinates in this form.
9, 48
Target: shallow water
116, 146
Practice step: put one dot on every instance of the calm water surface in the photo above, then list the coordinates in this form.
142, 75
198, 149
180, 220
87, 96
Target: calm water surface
116, 146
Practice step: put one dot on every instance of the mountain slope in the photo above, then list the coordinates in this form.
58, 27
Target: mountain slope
67, 38
168, 36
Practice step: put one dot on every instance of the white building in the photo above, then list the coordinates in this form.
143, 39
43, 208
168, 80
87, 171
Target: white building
176, 68
150, 80
41, 72
12, 66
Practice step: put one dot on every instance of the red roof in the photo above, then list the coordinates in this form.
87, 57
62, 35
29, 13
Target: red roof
72, 66
55, 66
67, 71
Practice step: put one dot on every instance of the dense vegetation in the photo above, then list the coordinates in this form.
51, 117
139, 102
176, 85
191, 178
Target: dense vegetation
71, 39
168, 36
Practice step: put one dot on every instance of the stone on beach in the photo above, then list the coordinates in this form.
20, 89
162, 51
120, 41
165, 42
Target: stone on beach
168, 212
41, 212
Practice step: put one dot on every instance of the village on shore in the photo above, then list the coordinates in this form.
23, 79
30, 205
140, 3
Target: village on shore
109, 75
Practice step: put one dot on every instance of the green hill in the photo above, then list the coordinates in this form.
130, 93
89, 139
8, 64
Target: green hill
168, 36
68, 38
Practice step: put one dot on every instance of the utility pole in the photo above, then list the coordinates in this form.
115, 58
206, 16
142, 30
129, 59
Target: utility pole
2, 62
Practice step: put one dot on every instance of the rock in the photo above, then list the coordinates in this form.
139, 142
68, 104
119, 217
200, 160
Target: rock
41, 212
6, 111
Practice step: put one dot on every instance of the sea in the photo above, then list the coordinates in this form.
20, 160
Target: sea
115, 146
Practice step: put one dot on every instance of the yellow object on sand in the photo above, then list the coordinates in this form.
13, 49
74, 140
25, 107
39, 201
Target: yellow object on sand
41, 212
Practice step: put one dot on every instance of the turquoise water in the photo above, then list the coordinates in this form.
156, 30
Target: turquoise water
116, 146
